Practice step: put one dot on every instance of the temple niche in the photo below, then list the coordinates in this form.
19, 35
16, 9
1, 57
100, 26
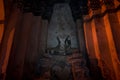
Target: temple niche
59, 40
62, 30
61, 48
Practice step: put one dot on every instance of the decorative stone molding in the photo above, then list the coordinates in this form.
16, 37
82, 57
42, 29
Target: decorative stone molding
101, 12
45, 7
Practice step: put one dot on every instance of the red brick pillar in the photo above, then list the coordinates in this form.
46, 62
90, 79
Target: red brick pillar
16, 62
114, 19
33, 47
92, 47
109, 71
8, 39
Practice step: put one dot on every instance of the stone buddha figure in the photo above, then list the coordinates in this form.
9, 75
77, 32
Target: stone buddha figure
64, 44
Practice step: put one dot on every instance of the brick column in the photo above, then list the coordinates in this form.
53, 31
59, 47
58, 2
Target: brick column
15, 69
115, 27
115, 24
92, 47
2, 15
105, 52
8, 39
33, 52
113, 51
111, 21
